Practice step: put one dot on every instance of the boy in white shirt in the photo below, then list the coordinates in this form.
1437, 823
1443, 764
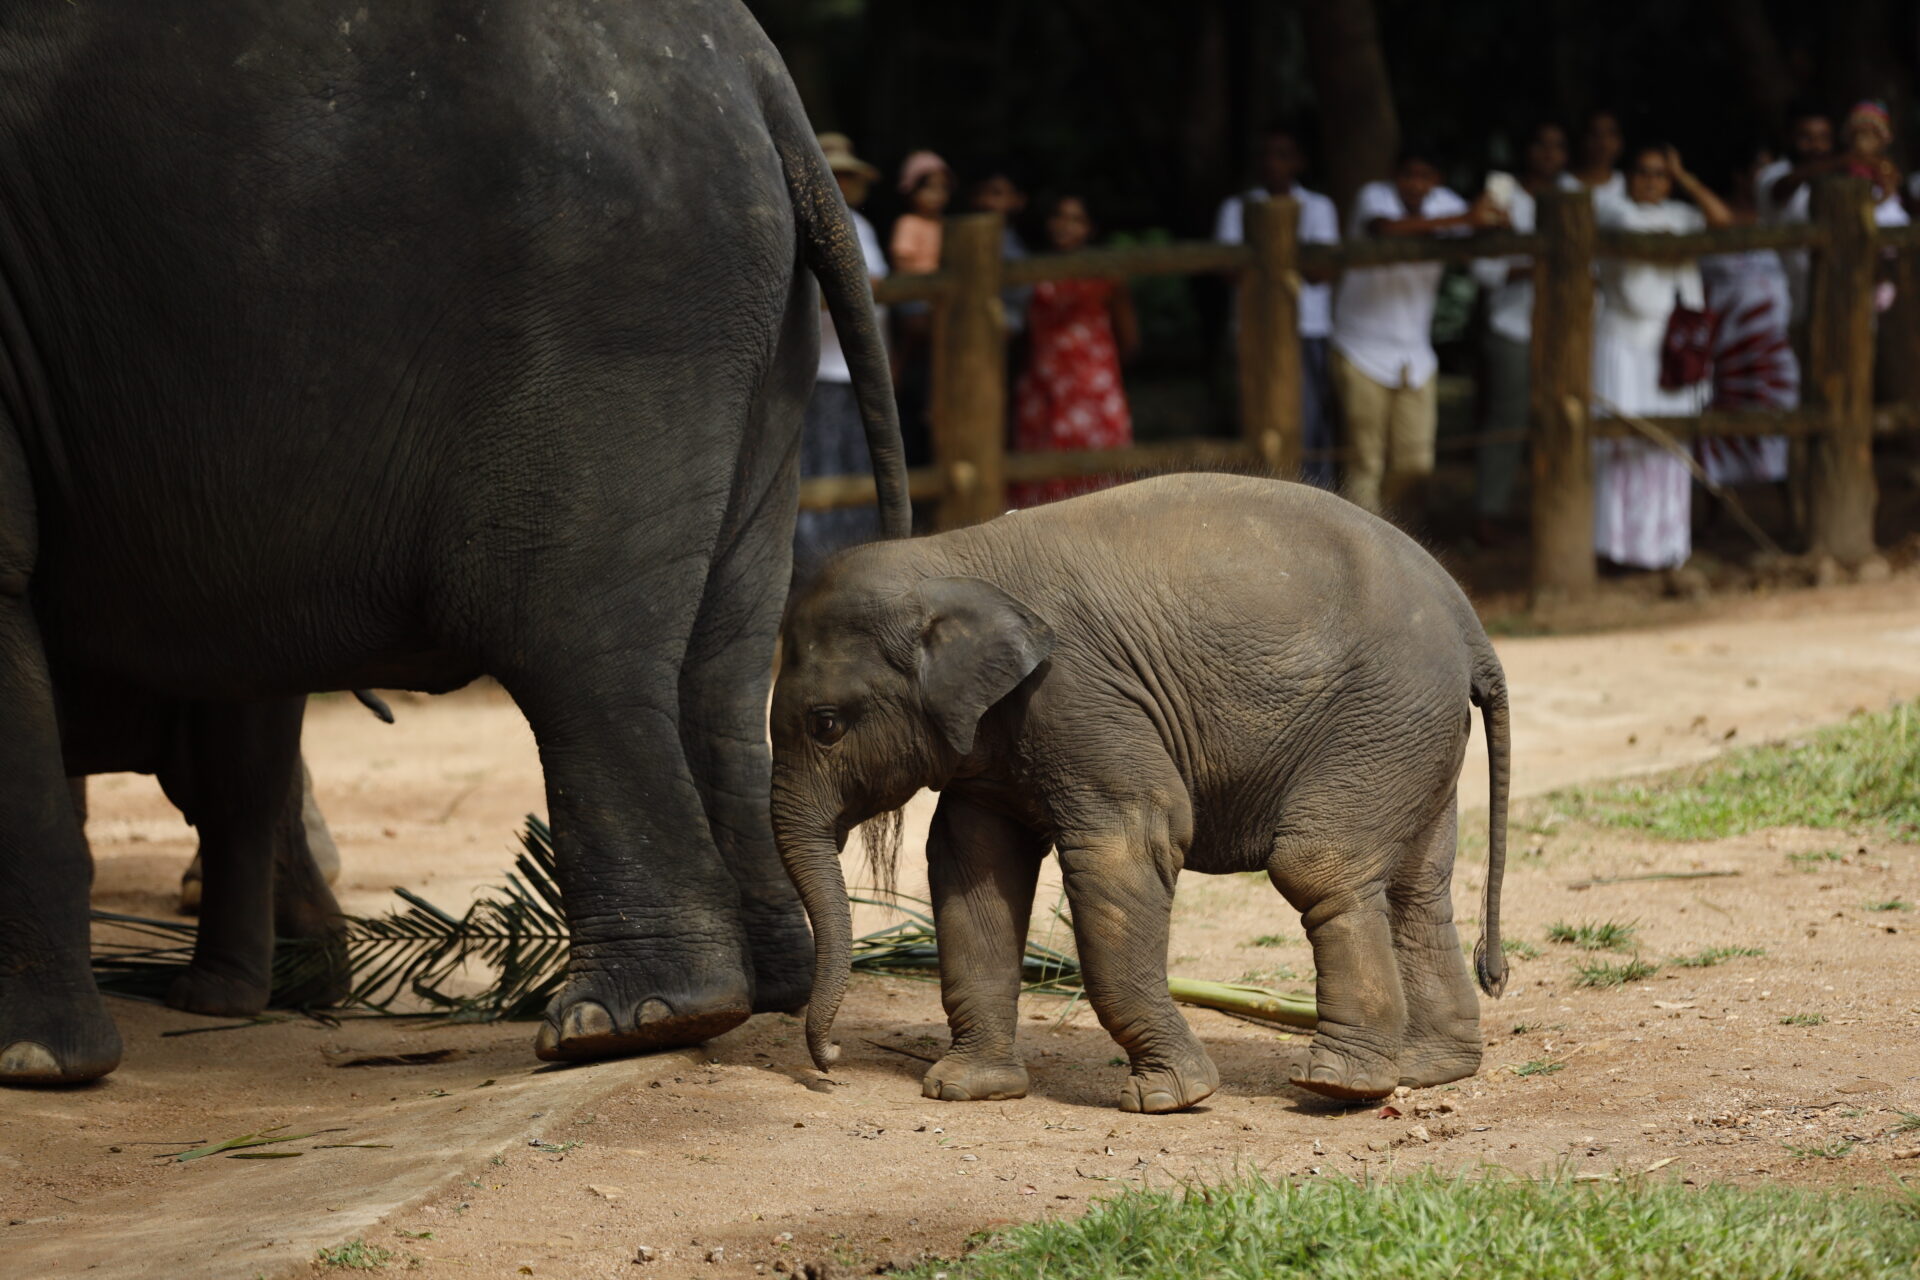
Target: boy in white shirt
1281, 164
1383, 358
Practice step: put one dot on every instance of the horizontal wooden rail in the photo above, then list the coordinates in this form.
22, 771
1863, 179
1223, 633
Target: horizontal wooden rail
1903, 239
1199, 454
824, 493
930, 287
1725, 422
1186, 258
1654, 246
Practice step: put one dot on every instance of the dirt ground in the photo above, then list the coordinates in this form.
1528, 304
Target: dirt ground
740, 1159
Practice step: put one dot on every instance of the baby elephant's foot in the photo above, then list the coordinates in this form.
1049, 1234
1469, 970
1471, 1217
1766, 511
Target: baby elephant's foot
1158, 1087
1345, 1071
218, 993
959, 1079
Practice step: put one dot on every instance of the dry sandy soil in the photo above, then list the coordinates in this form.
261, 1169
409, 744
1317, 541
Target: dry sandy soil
739, 1158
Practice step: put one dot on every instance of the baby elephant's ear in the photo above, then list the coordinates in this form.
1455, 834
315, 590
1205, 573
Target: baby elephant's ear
976, 643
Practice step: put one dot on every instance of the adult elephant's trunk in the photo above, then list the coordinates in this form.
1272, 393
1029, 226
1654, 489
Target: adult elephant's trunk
811, 853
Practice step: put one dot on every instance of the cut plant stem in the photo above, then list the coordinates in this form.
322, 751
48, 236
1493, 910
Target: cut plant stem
1248, 1002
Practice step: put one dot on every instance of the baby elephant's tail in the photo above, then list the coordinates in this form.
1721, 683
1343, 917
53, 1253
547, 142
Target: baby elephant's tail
1490, 695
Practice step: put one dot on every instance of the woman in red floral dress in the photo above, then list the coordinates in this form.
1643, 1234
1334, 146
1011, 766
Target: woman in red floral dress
1070, 396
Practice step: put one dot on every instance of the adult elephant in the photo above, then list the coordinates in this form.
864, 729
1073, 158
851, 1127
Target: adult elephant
389, 347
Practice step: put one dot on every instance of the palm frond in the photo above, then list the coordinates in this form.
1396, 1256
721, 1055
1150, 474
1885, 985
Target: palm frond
404, 962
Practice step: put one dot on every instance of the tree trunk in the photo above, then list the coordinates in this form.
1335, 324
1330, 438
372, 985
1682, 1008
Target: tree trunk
1359, 127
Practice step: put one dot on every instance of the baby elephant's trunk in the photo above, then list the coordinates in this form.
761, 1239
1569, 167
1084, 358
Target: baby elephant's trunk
812, 858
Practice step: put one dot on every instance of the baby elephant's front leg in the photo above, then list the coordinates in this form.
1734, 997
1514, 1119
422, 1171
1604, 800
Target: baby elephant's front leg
981, 868
1121, 892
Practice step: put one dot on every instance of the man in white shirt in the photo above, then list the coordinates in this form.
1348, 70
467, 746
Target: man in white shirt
1507, 348
1383, 358
833, 441
1281, 164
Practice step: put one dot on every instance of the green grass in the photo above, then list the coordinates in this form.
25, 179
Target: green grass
1908, 1121
1891, 904
1519, 947
1803, 1019
1834, 1150
1538, 1067
1599, 973
1593, 935
1863, 772
355, 1255
1816, 859
1710, 956
1431, 1227
1269, 939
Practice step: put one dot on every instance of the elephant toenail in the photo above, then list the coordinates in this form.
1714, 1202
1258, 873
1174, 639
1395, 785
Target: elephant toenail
28, 1060
547, 1041
585, 1019
653, 1011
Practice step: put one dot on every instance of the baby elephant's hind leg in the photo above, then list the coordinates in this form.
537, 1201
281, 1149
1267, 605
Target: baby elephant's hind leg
1443, 1013
1362, 1010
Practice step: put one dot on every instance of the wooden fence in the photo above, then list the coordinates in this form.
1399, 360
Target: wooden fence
972, 466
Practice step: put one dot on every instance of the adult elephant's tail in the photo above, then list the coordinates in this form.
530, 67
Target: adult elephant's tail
831, 249
1489, 692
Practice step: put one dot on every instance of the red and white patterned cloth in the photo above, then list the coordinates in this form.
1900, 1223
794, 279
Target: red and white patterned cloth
1070, 396
1753, 362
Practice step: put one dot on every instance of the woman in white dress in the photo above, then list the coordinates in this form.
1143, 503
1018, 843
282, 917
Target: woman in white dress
1753, 362
1641, 493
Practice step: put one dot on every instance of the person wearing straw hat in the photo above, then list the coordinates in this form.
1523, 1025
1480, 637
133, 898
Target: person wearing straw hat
833, 440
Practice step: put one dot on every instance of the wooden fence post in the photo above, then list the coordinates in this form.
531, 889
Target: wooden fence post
1269, 339
969, 399
1560, 395
1842, 492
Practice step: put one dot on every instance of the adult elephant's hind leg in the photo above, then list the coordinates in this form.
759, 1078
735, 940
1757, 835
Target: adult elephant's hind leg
243, 794
54, 1028
657, 956
728, 671
1443, 1013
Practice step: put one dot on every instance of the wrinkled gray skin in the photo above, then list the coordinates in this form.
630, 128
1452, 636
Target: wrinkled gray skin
389, 346
1199, 672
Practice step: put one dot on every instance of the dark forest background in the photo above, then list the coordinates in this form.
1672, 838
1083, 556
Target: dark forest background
1152, 106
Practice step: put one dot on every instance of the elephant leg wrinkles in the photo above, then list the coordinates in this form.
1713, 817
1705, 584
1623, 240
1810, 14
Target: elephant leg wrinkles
54, 1028
244, 762
981, 869
1120, 879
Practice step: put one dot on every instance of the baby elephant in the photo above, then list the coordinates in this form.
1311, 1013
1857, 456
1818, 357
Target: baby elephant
1198, 672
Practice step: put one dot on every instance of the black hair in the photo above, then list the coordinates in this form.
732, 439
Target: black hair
1808, 109
1419, 152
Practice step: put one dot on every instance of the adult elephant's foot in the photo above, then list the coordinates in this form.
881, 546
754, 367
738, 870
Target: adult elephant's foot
1155, 1087
782, 949
54, 1044
219, 992
604, 1015
1425, 1063
957, 1078
1345, 1071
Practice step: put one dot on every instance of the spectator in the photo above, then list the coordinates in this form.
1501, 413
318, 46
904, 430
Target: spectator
1642, 493
1383, 359
1281, 164
1071, 396
926, 183
1601, 143
1754, 366
1866, 136
1809, 152
1509, 339
997, 192
833, 437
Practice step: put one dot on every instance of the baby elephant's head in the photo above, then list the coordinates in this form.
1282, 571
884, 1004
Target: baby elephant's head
881, 692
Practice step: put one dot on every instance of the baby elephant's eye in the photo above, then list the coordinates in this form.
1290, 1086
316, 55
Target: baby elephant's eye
825, 726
